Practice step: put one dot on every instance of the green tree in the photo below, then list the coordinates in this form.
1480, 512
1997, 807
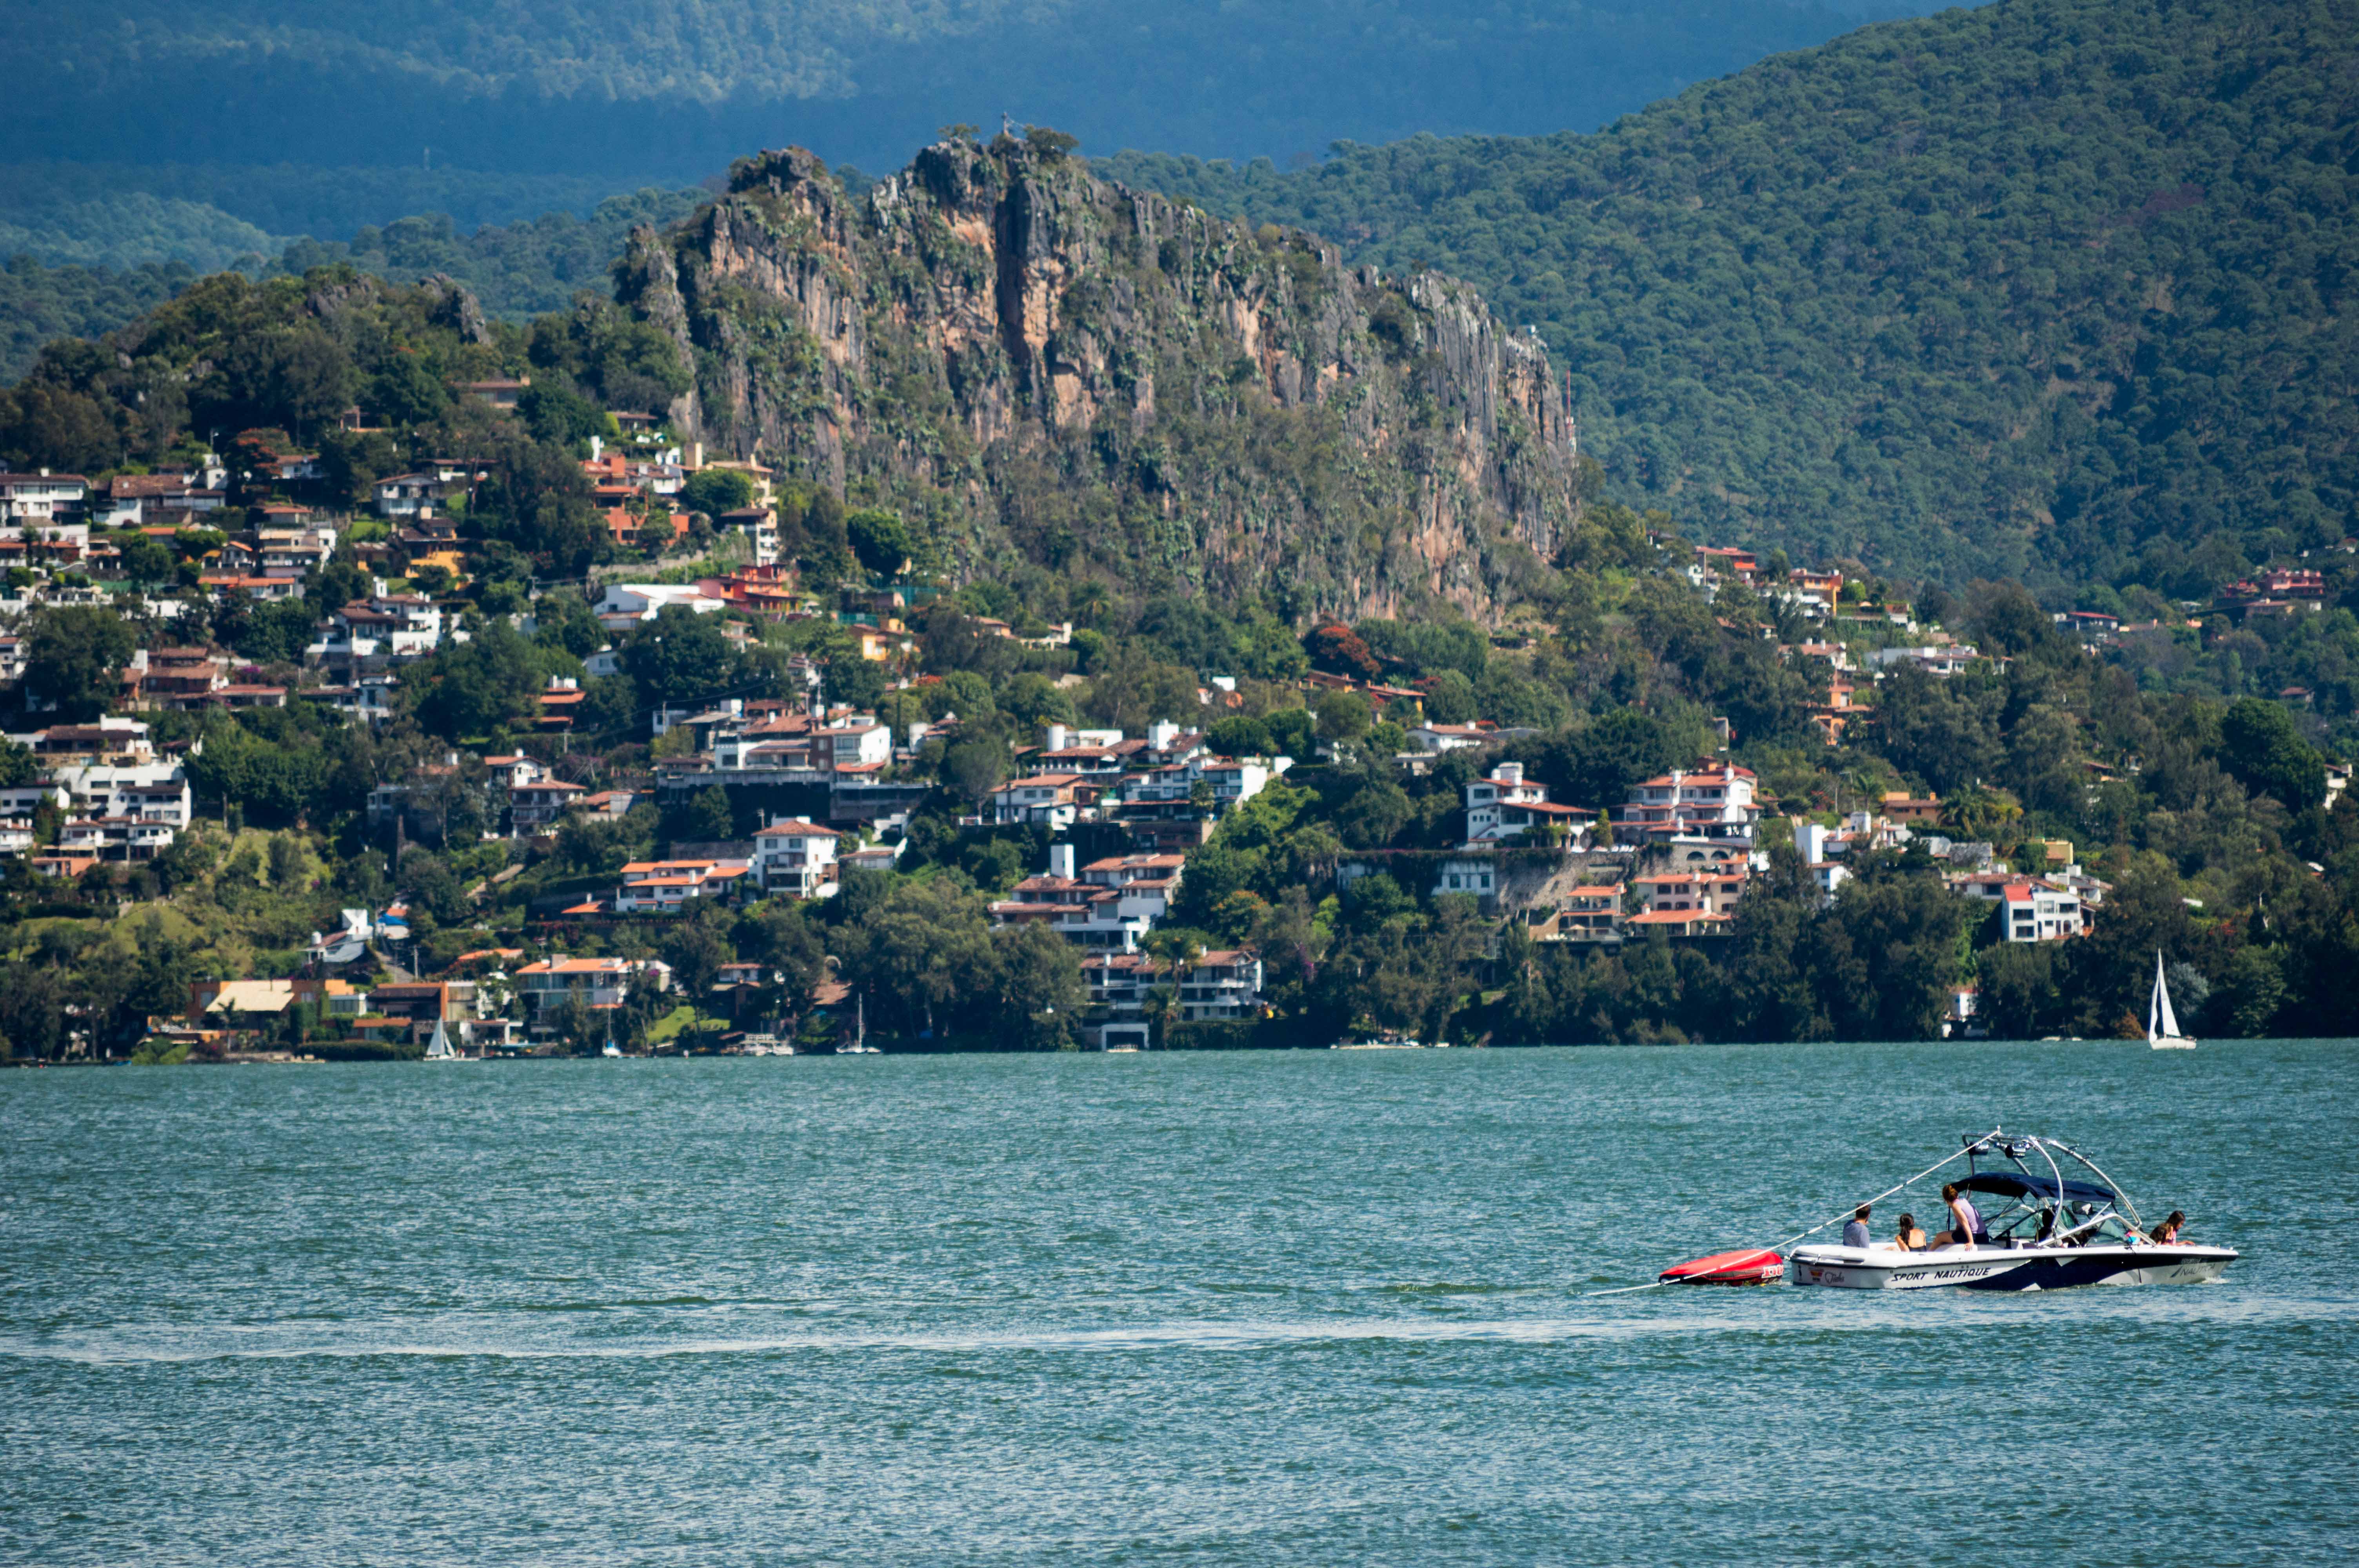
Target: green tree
714, 491
695, 953
1342, 716
2260, 746
880, 540
146, 560
709, 818
72, 655
680, 659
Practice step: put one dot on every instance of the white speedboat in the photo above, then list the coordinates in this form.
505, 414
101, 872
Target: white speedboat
2054, 1232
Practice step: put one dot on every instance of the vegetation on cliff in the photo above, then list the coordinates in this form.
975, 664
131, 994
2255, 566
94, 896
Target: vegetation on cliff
1010, 352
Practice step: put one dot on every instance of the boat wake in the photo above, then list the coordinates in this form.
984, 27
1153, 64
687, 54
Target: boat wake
1792, 1320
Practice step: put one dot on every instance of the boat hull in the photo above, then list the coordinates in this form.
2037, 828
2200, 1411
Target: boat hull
1889, 1269
2070, 1267
1998, 1269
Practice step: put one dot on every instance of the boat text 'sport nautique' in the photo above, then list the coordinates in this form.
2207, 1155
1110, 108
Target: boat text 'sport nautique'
2049, 1232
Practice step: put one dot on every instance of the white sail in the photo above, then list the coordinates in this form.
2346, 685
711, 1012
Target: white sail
2162, 1023
439, 1048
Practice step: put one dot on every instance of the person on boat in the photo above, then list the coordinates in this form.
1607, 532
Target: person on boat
2166, 1233
1966, 1228
1911, 1239
1855, 1233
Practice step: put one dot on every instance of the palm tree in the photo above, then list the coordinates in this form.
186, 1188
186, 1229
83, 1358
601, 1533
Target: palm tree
1162, 1009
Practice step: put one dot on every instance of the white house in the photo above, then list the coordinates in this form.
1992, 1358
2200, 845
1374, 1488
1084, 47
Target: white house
624, 604
1225, 984
540, 803
37, 500
1475, 874
1453, 737
665, 887
1506, 805
515, 771
115, 837
858, 743
1715, 800
796, 857
2036, 910
1108, 905
412, 494
1055, 800
1933, 659
1120, 985
600, 984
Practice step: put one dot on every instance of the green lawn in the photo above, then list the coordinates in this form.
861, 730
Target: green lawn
668, 1027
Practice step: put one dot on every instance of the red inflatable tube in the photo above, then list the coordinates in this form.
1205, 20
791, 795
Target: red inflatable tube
1752, 1266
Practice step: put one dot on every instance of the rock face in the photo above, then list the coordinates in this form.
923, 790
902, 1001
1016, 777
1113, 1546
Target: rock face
1018, 355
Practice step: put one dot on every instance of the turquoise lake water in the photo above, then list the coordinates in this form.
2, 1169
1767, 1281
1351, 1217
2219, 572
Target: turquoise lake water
1250, 1308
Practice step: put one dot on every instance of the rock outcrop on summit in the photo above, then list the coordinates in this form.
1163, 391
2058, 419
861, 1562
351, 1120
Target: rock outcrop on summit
1019, 355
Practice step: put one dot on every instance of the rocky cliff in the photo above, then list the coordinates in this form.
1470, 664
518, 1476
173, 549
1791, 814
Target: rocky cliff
1017, 354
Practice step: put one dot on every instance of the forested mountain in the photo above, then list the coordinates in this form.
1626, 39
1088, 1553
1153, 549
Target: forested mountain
39, 305
211, 215
2059, 289
515, 270
358, 114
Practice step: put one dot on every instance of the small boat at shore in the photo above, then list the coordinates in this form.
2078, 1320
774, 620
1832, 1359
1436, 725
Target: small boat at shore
439, 1049
2052, 1232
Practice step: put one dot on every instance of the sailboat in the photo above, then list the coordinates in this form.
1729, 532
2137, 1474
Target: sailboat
439, 1048
860, 1046
2162, 1023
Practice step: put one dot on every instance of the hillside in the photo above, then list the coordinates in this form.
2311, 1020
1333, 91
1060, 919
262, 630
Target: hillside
257, 111
1001, 345
39, 305
514, 270
2058, 288
1115, 461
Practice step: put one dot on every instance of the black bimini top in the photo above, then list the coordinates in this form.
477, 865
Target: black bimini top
2012, 1184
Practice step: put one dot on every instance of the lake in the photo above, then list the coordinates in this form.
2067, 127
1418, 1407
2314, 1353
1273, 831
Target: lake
1238, 1308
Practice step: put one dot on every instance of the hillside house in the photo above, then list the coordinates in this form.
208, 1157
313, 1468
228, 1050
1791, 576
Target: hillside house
666, 887
1713, 800
1120, 987
1504, 806
1221, 985
798, 858
42, 500
1591, 913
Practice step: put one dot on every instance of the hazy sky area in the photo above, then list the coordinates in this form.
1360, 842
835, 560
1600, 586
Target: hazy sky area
496, 111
